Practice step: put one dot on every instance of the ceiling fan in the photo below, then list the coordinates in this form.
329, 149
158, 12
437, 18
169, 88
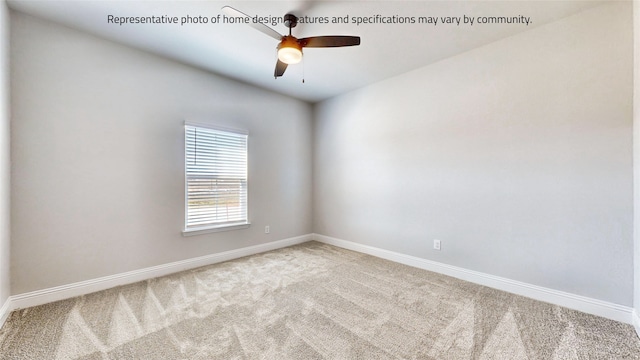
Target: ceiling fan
290, 47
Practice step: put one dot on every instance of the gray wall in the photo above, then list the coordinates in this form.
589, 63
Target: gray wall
98, 157
517, 155
5, 164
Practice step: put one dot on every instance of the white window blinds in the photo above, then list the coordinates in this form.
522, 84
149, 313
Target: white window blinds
216, 178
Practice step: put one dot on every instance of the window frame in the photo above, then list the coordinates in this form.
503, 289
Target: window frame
210, 228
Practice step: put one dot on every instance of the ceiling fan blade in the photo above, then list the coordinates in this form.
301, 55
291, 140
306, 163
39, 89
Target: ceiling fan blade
280, 68
329, 41
231, 12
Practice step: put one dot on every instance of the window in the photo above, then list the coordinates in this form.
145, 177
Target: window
216, 179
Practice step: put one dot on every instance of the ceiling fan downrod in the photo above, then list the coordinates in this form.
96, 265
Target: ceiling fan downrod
290, 21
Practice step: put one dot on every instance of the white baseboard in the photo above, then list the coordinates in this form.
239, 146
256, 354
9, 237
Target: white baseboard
593, 306
45, 296
5, 311
577, 302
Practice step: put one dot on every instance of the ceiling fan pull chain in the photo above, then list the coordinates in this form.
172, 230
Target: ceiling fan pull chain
303, 70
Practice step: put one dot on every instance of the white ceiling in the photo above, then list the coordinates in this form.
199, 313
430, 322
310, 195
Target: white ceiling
240, 52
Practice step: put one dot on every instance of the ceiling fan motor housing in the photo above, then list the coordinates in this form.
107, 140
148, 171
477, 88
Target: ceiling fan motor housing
289, 41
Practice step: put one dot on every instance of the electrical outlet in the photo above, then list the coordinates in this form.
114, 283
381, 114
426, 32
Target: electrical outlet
436, 244
266, 229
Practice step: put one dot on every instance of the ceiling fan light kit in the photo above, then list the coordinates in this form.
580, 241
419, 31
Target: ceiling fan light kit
290, 47
289, 50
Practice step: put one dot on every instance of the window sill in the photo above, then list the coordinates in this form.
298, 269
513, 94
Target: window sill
214, 229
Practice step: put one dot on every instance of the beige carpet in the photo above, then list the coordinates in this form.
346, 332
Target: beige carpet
311, 301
